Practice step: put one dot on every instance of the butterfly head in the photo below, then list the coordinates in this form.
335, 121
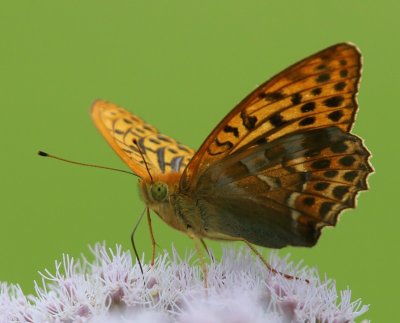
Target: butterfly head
158, 189
158, 194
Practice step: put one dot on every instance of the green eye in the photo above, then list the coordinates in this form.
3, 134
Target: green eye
159, 191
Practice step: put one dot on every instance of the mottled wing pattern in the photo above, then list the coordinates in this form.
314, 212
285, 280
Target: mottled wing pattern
122, 129
283, 192
283, 164
317, 92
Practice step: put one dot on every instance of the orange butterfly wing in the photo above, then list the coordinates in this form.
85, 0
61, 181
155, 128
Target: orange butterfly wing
279, 167
282, 164
124, 131
317, 92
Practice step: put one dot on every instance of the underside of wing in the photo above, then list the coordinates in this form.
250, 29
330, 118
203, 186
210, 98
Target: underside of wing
317, 92
126, 132
282, 193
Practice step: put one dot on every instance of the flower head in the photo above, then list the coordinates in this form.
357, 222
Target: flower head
240, 289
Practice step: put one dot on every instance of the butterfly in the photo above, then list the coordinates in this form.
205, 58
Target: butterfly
276, 170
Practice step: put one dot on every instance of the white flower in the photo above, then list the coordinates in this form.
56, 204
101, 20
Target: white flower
240, 289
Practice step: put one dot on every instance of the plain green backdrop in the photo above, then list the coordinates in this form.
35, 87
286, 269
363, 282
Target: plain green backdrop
181, 65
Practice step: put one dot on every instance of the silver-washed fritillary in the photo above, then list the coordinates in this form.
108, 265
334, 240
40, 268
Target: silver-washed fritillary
276, 170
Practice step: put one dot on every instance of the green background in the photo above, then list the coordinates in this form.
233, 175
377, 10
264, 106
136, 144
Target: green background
181, 65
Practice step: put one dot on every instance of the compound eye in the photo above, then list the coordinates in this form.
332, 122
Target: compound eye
159, 191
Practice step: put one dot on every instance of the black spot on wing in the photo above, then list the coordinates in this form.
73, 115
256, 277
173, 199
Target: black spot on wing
316, 91
296, 98
350, 176
321, 164
309, 201
340, 191
331, 173
147, 127
155, 141
228, 144
347, 161
277, 120
340, 86
309, 106
320, 186
233, 130
334, 101
248, 121
271, 96
164, 138
323, 78
335, 116
183, 148
118, 131
133, 118
339, 147
307, 121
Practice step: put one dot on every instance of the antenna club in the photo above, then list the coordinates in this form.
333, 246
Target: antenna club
42, 153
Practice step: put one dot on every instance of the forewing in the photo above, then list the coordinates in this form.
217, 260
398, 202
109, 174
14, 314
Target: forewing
124, 131
317, 92
282, 193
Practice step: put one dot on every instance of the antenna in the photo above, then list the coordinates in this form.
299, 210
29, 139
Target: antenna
144, 160
44, 154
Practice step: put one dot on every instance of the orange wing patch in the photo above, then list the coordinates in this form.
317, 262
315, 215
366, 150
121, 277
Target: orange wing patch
317, 92
123, 130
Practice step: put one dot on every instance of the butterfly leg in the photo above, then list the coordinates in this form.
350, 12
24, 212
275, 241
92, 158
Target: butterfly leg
197, 242
265, 262
206, 248
153, 241
133, 240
